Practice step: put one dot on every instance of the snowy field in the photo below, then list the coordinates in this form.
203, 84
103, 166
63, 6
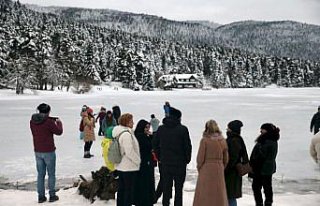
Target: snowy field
297, 181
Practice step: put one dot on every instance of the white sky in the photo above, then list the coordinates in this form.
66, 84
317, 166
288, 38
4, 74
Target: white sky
219, 11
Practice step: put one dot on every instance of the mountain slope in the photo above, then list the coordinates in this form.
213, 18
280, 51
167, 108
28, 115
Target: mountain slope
282, 38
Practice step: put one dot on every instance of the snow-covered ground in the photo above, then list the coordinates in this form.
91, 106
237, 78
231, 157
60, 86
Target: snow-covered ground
297, 179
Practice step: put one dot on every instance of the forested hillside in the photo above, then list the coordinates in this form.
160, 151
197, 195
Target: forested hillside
282, 38
44, 51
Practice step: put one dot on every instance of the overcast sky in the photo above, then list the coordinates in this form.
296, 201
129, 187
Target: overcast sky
219, 11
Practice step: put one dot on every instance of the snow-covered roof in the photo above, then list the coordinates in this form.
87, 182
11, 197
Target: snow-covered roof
168, 77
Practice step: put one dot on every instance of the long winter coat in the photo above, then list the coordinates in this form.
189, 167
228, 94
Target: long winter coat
237, 151
315, 148
212, 159
88, 130
129, 148
145, 188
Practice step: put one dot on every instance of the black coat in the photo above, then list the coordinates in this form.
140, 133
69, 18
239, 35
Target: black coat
263, 155
172, 143
237, 153
315, 122
145, 185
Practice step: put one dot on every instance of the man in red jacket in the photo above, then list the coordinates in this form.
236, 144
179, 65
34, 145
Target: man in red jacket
43, 128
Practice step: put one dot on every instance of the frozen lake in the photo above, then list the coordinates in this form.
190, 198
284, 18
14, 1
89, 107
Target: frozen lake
290, 109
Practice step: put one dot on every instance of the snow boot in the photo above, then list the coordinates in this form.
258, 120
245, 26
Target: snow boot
53, 198
42, 199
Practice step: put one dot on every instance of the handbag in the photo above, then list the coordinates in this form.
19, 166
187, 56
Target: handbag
243, 168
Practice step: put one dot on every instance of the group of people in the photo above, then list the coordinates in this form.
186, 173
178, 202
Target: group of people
107, 120
219, 161
167, 146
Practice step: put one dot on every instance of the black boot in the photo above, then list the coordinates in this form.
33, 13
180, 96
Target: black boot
53, 198
42, 199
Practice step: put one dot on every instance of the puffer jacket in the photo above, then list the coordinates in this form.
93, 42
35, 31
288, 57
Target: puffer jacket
89, 125
129, 148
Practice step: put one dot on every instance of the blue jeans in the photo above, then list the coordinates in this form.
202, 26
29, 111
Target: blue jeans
232, 202
46, 161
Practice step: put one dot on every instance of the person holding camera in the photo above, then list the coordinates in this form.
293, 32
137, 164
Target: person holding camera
43, 127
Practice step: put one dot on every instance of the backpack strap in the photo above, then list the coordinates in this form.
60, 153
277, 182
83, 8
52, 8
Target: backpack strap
119, 135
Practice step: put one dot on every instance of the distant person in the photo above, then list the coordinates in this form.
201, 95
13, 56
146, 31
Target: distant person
100, 117
116, 113
315, 148
212, 159
166, 108
105, 144
43, 127
315, 122
130, 162
108, 124
88, 131
172, 145
263, 163
237, 155
145, 184
108, 121
154, 124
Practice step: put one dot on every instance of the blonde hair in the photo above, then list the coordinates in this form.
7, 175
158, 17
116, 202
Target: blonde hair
125, 119
211, 127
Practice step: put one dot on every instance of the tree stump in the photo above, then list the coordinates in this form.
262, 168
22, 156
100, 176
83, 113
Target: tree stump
104, 185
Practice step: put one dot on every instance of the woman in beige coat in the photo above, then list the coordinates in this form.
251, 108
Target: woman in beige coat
212, 158
88, 130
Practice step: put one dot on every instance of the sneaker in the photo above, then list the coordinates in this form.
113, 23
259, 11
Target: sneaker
53, 198
42, 199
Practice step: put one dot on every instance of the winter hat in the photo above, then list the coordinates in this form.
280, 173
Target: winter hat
235, 126
44, 108
175, 113
89, 110
269, 127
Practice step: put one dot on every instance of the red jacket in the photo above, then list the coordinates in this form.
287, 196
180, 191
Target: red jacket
43, 128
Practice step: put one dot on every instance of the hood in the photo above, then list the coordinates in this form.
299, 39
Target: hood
39, 118
171, 122
118, 129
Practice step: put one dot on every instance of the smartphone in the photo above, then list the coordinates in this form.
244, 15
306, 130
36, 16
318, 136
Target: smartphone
54, 118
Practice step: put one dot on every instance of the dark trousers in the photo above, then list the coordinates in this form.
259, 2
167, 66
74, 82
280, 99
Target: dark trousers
176, 175
126, 188
100, 132
159, 189
87, 146
264, 181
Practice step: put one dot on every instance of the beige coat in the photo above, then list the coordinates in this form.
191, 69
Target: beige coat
315, 148
129, 148
88, 128
211, 160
